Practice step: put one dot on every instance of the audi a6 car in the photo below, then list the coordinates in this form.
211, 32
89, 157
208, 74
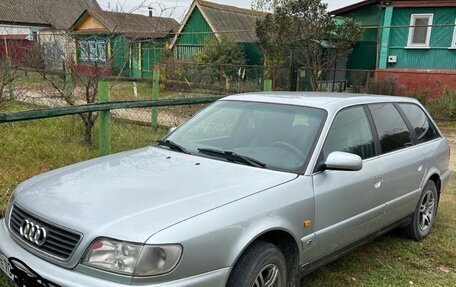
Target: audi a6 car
255, 190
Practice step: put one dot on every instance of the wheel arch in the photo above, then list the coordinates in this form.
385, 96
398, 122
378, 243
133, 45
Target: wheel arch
433, 175
438, 183
288, 245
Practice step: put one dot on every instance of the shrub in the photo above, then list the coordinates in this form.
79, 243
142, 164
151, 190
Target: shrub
421, 96
444, 106
388, 86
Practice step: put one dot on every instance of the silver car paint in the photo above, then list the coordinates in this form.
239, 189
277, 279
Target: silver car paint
131, 196
216, 209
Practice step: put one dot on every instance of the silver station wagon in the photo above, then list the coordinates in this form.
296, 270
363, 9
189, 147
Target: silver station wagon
255, 190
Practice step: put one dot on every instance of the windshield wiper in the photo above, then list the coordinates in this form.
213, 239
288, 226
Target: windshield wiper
172, 145
233, 157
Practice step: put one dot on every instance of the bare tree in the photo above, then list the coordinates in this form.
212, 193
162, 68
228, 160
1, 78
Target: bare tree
303, 32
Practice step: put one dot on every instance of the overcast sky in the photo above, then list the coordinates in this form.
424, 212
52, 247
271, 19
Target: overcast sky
177, 8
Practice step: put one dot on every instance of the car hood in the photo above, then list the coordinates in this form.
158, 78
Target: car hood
132, 195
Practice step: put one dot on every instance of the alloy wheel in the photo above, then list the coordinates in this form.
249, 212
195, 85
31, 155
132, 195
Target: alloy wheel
427, 211
269, 276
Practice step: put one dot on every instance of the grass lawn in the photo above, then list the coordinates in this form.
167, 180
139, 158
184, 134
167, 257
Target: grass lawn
33, 147
30, 148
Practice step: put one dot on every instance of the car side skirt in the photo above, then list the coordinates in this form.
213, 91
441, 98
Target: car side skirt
314, 265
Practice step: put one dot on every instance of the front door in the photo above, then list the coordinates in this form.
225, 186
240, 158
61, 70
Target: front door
349, 204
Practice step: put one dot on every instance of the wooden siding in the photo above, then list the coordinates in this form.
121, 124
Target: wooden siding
364, 55
438, 56
253, 53
193, 36
120, 55
90, 24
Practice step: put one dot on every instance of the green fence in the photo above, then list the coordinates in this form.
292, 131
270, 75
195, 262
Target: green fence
56, 119
35, 138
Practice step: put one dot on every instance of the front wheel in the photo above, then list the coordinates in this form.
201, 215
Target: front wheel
262, 265
425, 213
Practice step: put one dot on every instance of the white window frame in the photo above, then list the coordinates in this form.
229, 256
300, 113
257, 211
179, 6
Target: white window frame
101, 50
413, 18
453, 42
93, 50
84, 49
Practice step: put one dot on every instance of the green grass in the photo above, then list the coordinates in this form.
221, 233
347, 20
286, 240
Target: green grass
393, 260
33, 147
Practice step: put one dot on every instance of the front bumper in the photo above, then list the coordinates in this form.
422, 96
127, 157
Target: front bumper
71, 278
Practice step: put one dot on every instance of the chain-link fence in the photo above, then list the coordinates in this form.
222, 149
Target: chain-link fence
55, 70
45, 142
197, 78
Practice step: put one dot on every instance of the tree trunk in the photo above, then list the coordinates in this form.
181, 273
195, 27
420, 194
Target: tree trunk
89, 121
88, 130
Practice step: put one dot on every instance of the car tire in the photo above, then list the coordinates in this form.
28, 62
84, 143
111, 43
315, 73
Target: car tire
263, 264
425, 213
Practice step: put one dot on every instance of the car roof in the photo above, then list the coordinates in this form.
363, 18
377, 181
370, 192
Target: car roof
324, 100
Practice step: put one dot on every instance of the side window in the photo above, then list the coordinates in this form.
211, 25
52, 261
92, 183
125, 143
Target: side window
424, 128
351, 133
391, 128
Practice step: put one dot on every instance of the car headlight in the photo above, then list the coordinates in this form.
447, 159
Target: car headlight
131, 258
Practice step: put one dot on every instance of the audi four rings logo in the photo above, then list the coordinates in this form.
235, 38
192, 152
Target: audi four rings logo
33, 232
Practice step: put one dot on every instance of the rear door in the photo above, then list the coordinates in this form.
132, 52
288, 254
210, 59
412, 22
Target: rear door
349, 204
404, 160
434, 148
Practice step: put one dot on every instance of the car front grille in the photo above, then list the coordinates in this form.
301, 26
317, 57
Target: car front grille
59, 243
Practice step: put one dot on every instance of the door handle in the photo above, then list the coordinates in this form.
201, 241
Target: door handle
378, 182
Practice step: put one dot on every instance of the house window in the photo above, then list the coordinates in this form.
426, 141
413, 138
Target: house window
92, 51
420, 30
453, 43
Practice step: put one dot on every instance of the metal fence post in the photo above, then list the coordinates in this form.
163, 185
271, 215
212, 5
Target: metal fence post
155, 93
267, 85
105, 120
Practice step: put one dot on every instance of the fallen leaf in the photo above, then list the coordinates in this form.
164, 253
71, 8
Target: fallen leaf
444, 269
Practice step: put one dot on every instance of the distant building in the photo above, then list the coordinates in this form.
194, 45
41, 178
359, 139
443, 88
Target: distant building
121, 44
16, 48
44, 22
412, 42
206, 20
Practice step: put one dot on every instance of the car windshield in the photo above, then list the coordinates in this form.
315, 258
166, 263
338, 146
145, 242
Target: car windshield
264, 135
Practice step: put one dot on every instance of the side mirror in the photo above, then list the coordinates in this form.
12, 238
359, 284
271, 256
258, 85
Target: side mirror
343, 161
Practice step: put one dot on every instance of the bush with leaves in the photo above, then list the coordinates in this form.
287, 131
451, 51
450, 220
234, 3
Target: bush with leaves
444, 106
223, 51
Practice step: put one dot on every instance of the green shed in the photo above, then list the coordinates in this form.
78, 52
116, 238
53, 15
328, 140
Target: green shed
206, 20
121, 44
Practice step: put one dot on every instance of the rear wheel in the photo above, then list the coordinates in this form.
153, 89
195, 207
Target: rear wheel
262, 265
425, 213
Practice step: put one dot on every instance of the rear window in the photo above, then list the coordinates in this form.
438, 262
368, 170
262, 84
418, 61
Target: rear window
391, 128
424, 128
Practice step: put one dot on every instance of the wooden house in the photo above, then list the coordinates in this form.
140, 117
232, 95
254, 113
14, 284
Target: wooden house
121, 44
207, 20
43, 22
410, 42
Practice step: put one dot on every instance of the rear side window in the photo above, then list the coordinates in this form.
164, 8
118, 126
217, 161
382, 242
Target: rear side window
391, 128
424, 128
351, 133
